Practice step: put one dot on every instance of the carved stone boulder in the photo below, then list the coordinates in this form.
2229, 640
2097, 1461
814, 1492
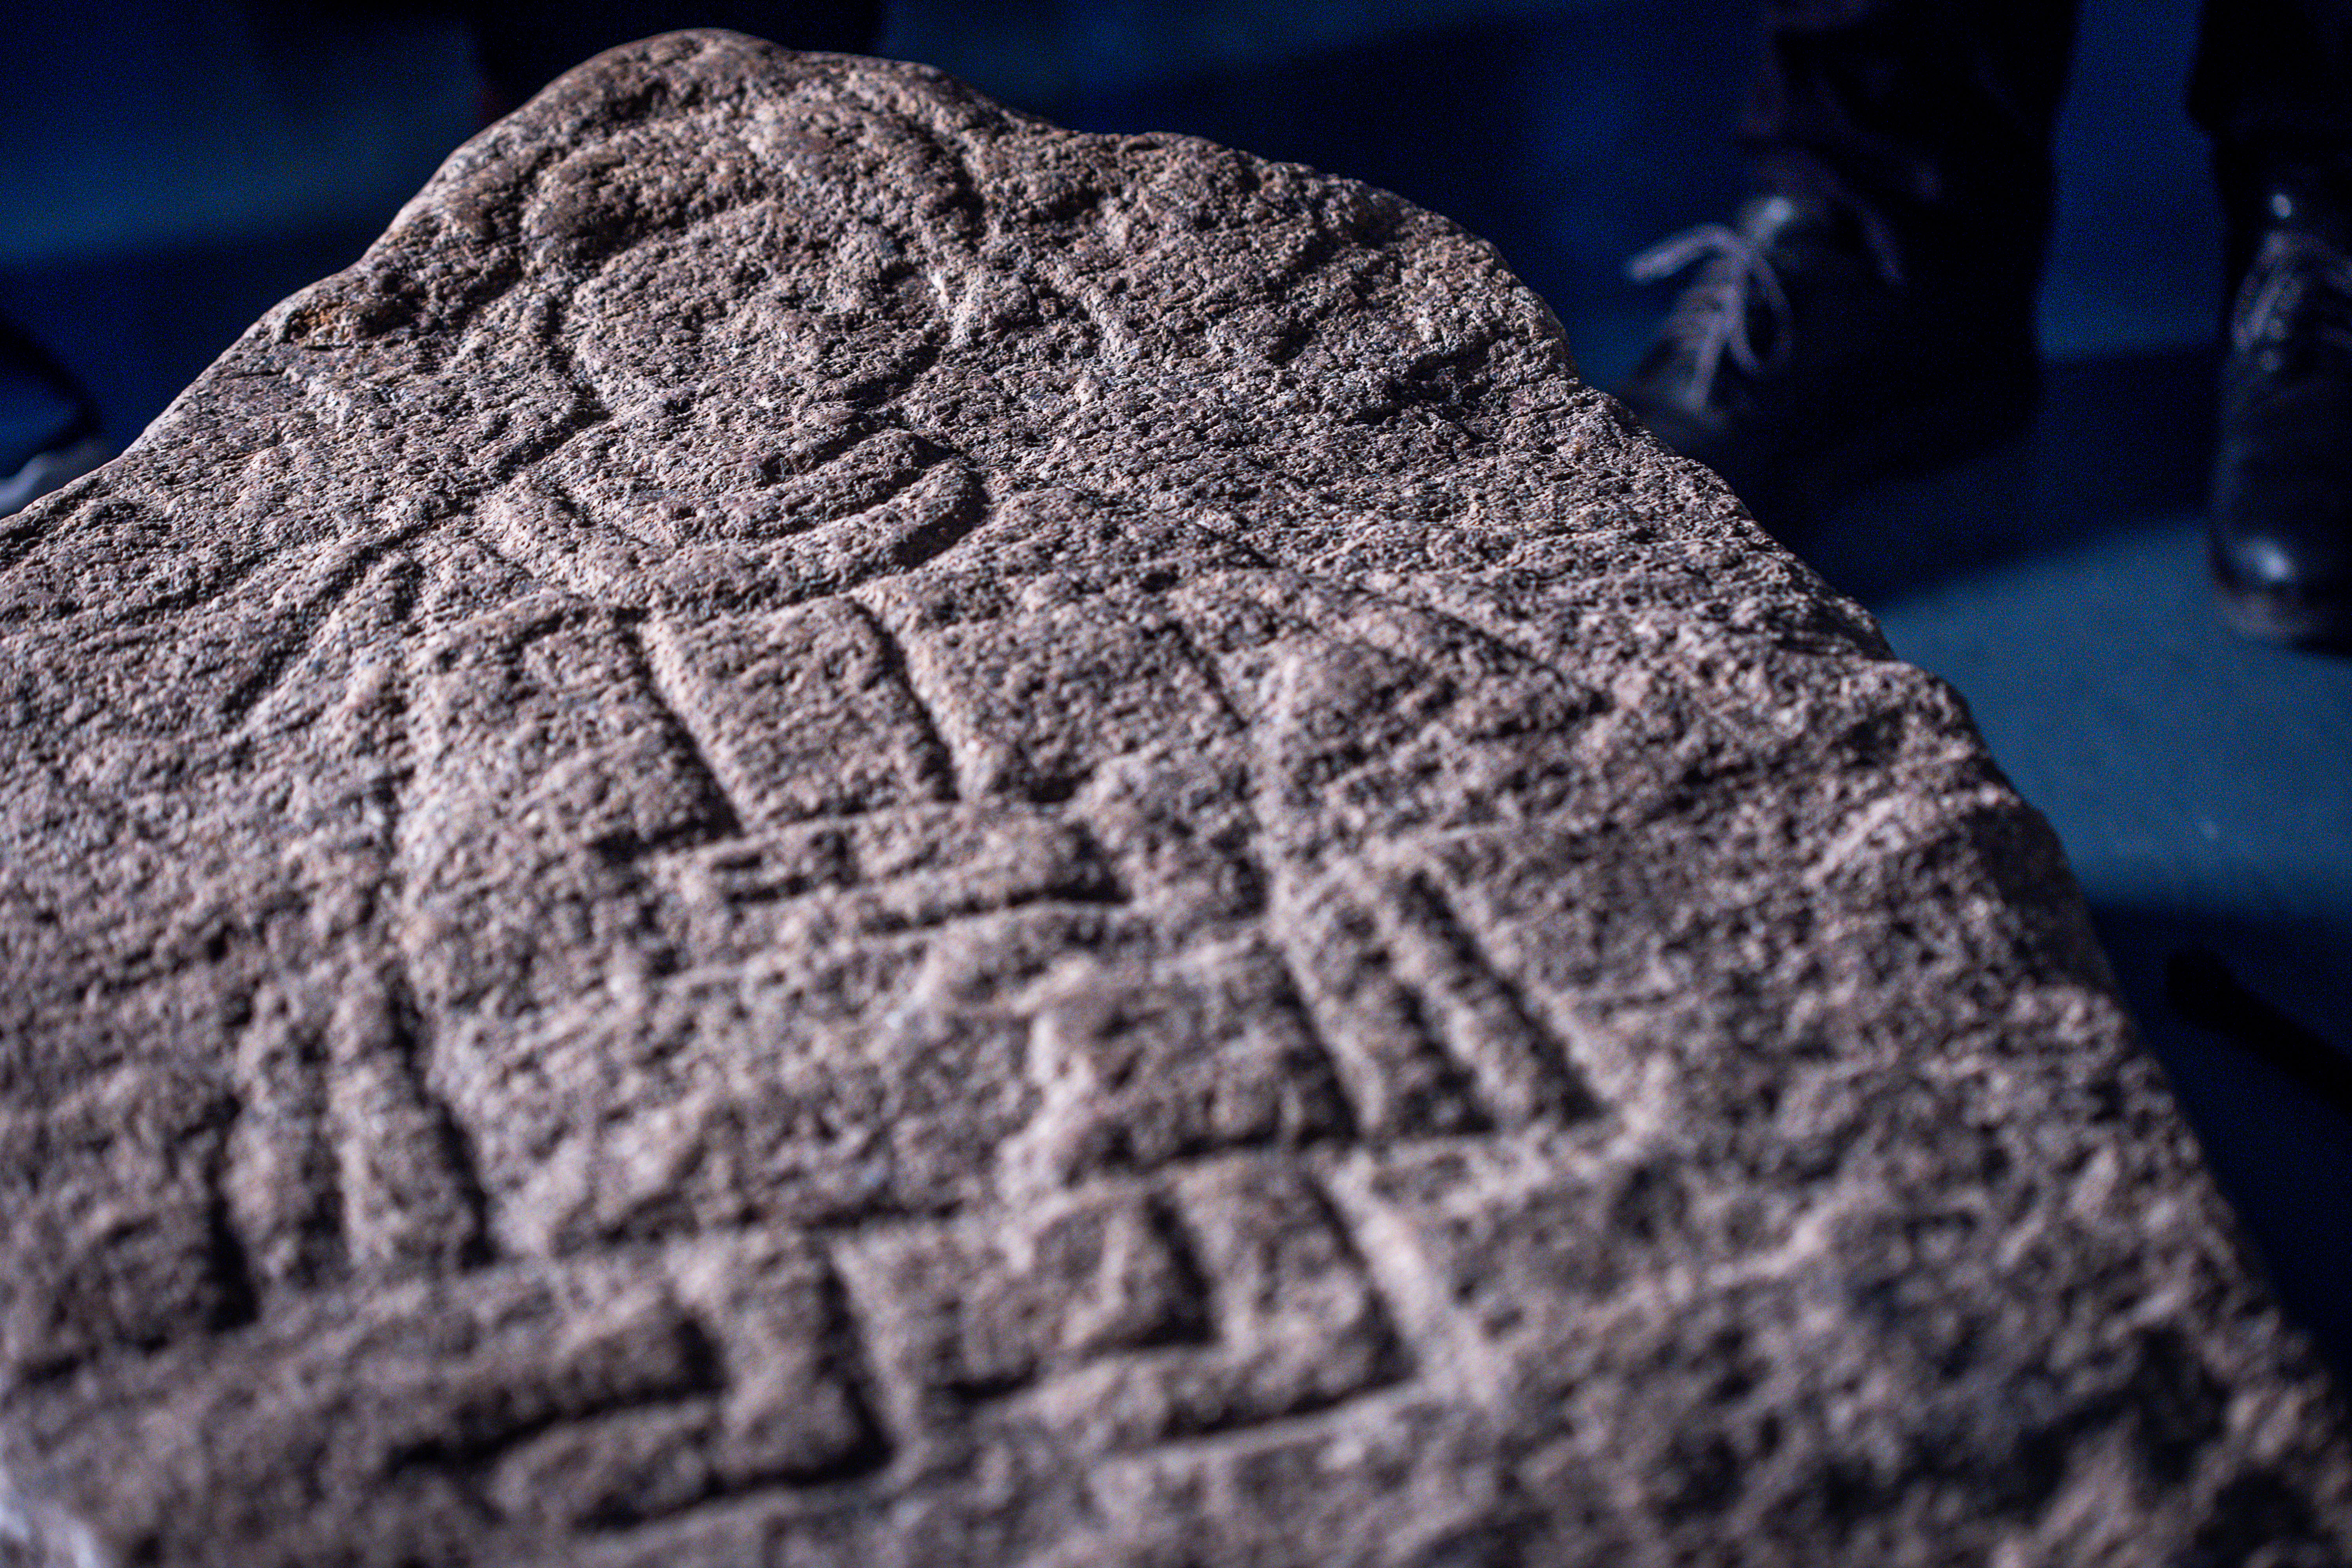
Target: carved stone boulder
830, 829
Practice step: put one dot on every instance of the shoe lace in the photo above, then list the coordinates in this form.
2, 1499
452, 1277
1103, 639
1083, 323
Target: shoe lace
2299, 292
1715, 316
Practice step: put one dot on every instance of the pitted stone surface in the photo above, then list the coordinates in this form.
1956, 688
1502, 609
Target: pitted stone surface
833, 829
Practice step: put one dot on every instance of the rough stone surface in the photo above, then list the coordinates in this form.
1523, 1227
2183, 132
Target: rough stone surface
833, 829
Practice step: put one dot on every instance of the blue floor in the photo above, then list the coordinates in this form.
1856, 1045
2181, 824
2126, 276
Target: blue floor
162, 191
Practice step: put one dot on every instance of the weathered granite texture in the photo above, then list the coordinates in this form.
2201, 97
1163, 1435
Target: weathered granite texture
833, 829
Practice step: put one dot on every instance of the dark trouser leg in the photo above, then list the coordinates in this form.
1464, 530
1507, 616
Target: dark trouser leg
2274, 89
526, 43
1930, 118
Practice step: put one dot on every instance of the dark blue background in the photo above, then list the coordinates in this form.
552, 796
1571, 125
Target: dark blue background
167, 171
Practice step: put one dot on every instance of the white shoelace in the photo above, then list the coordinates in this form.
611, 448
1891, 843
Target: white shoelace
1712, 316
2297, 278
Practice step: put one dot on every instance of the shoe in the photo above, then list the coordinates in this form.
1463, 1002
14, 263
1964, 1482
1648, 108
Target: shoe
1802, 365
2280, 524
50, 469
48, 426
